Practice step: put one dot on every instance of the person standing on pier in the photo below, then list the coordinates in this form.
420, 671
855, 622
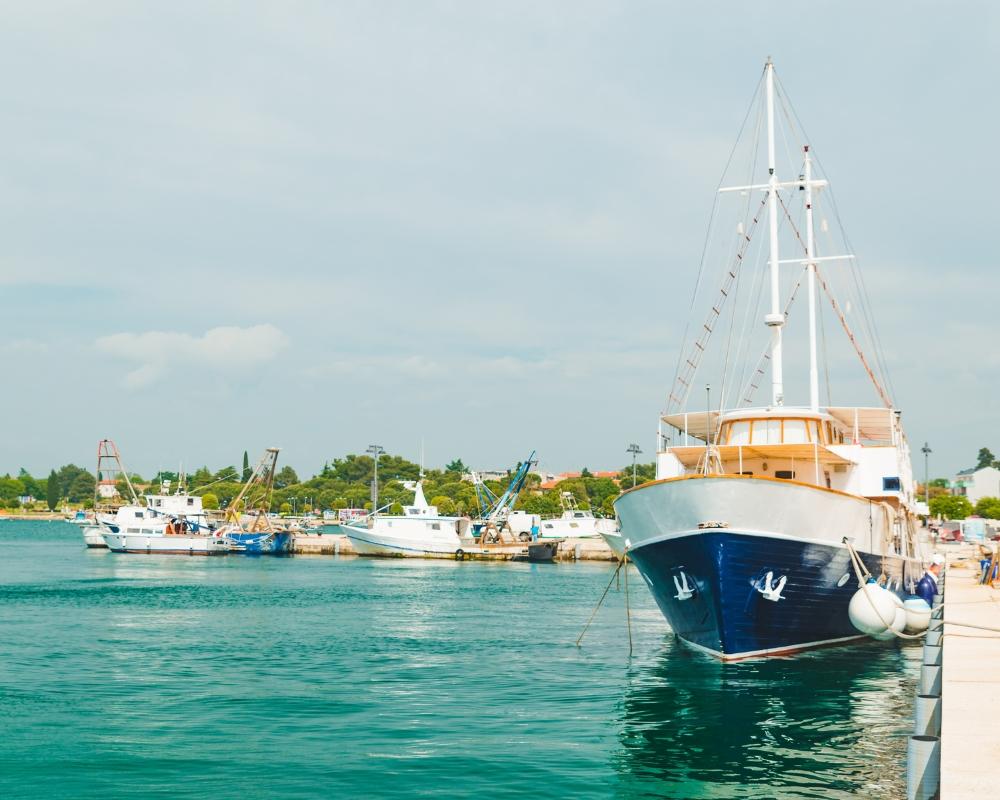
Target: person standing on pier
927, 587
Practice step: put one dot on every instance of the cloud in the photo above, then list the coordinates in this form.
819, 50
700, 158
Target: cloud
223, 349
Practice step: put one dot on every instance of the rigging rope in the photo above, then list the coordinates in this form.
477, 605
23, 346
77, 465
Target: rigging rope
678, 396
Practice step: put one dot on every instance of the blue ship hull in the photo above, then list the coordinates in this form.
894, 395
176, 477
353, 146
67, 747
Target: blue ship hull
261, 544
713, 588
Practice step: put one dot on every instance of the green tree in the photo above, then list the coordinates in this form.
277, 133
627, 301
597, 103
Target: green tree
396, 509
285, 477
82, 488
246, 466
31, 485
951, 507
988, 507
456, 466
285, 508
985, 458
52, 491
10, 488
209, 501
643, 474
67, 474
586, 473
445, 505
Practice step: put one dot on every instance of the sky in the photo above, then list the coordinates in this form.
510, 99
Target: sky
477, 225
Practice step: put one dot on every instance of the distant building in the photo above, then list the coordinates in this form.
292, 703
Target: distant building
976, 484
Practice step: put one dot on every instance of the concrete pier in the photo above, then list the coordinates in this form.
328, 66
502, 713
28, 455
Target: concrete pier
329, 544
970, 686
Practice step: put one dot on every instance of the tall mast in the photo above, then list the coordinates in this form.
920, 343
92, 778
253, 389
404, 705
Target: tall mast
811, 266
775, 319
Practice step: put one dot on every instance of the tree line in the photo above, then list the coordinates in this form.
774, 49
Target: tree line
342, 483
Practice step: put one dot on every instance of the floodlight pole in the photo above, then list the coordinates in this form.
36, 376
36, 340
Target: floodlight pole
634, 450
926, 450
376, 450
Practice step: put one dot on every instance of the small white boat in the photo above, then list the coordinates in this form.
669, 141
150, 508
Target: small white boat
419, 532
576, 522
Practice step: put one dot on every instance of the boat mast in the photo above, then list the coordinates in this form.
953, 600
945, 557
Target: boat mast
775, 320
811, 266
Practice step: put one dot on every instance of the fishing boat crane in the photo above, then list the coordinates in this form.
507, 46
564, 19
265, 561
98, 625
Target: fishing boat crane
258, 536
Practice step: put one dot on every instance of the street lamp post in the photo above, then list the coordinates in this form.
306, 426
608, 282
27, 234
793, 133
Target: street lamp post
926, 450
634, 450
376, 450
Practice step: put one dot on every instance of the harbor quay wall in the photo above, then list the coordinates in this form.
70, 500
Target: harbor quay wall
970, 691
328, 544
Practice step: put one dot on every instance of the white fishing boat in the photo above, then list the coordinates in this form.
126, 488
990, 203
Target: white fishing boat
746, 535
420, 531
577, 522
168, 523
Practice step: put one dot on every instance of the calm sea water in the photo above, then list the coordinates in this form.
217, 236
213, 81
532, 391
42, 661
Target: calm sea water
236, 677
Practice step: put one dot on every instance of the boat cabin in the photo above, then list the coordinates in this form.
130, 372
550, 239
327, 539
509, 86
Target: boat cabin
860, 451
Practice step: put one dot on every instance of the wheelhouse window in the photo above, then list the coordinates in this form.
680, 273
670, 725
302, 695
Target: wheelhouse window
739, 432
776, 431
890, 484
766, 431
795, 432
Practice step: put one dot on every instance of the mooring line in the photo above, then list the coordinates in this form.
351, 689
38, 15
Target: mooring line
599, 602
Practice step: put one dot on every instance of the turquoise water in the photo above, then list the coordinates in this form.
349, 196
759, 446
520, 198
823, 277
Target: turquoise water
307, 677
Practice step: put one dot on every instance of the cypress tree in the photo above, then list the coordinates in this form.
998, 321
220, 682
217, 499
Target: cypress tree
52, 491
246, 467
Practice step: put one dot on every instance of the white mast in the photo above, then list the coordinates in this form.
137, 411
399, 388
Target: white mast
775, 319
811, 266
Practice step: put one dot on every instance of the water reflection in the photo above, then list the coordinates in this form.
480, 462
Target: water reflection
826, 724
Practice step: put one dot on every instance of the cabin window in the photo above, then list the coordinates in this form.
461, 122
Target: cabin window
795, 431
435, 526
190, 501
739, 433
766, 431
138, 515
890, 484
132, 530
574, 525
784, 474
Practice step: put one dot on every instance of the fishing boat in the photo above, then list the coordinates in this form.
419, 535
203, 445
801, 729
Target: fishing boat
420, 531
249, 526
577, 522
171, 521
746, 536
